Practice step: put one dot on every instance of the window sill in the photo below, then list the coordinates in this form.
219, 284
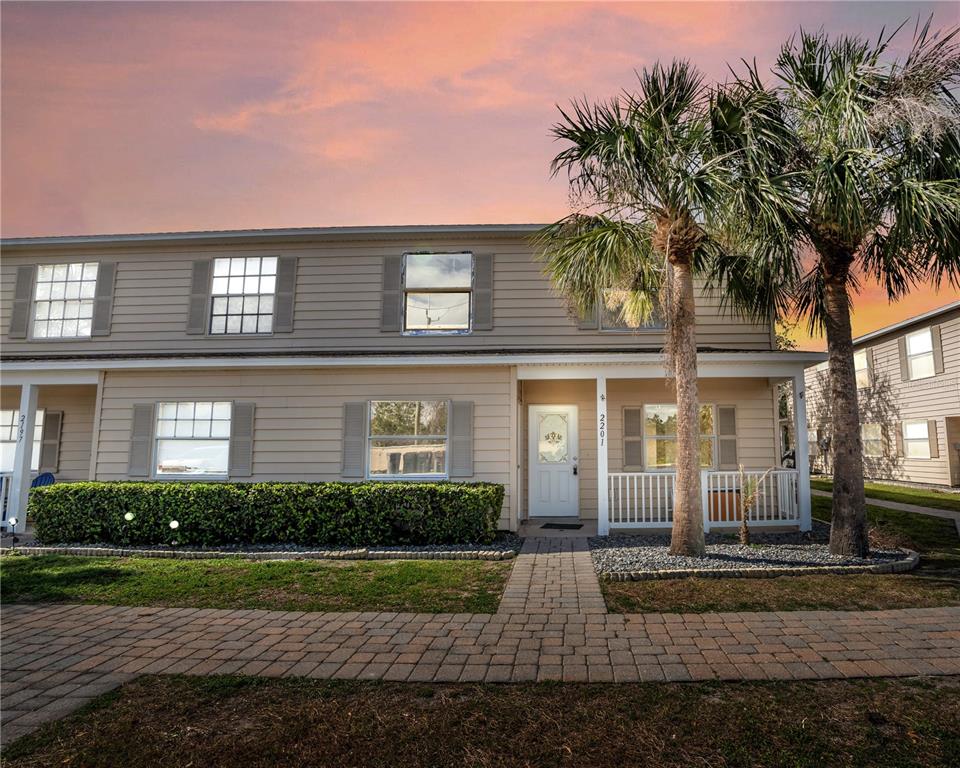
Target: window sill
424, 332
196, 478
407, 478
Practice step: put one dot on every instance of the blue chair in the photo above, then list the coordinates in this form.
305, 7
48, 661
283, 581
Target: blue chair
46, 478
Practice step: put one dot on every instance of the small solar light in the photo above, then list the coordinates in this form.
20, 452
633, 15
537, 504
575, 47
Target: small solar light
174, 525
128, 517
12, 521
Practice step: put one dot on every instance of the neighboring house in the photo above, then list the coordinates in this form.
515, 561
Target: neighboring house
908, 381
382, 353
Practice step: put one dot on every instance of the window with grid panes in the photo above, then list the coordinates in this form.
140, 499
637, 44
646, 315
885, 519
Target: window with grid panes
63, 300
242, 294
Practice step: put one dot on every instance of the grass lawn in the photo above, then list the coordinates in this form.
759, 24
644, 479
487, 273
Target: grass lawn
921, 496
231, 721
936, 582
421, 586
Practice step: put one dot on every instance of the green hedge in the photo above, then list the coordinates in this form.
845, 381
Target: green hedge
309, 514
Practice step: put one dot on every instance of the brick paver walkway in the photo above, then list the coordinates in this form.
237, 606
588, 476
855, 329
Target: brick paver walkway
56, 657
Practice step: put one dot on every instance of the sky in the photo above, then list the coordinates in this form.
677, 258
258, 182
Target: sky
145, 117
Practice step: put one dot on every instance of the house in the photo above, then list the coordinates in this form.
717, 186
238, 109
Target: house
908, 387
382, 353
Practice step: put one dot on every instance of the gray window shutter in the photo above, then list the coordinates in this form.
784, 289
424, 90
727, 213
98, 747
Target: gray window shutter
589, 321
633, 437
241, 440
727, 436
460, 462
483, 292
199, 297
900, 448
904, 363
50, 441
932, 438
283, 300
871, 370
937, 348
103, 299
141, 440
391, 302
22, 299
354, 439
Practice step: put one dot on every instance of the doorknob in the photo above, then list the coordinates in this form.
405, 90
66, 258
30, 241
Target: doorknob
574, 469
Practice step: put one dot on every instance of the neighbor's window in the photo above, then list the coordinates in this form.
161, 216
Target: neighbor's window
660, 436
63, 301
8, 439
193, 438
872, 436
437, 290
920, 354
407, 438
862, 368
611, 315
916, 440
243, 291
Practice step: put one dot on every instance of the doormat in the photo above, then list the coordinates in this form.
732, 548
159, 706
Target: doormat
562, 526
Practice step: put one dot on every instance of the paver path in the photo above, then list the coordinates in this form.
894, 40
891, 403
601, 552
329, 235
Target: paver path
552, 625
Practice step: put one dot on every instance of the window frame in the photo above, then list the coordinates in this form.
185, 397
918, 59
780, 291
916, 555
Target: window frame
925, 440
881, 439
212, 296
155, 447
369, 437
37, 436
648, 467
32, 320
405, 331
911, 357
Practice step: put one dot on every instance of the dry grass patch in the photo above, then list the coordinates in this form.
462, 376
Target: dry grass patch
229, 721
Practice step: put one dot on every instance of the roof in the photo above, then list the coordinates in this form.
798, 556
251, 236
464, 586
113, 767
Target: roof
904, 324
275, 235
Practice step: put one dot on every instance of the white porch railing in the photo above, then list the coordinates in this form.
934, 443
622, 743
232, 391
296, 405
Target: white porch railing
646, 499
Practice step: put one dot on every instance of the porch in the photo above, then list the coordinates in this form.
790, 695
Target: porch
612, 423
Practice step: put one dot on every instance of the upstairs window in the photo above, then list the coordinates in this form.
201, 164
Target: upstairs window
862, 368
660, 436
9, 421
437, 289
611, 315
407, 438
63, 300
193, 438
920, 360
243, 294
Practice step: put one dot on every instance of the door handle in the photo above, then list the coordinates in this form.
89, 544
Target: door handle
574, 469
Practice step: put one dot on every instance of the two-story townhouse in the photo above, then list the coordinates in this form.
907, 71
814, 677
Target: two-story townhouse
908, 382
384, 353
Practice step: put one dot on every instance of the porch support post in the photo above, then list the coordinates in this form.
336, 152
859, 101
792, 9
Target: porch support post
20, 482
802, 452
603, 486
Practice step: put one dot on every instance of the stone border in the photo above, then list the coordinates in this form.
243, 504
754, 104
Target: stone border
362, 553
908, 563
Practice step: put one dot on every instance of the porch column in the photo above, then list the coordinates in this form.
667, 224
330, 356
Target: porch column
603, 485
801, 451
20, 482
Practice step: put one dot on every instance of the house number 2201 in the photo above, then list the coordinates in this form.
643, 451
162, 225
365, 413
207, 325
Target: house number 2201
602, 424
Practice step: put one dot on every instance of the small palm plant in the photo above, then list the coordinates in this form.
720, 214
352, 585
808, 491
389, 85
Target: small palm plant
654, 192
749, 491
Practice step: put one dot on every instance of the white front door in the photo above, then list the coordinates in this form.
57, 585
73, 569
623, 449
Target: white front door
554, 448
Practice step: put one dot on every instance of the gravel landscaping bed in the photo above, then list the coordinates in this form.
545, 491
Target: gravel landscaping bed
504, 547
621, 557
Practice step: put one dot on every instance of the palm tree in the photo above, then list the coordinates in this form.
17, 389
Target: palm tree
652, 192
871, 149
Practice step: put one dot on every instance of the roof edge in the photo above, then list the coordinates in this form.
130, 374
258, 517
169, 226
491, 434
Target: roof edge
953, 305
272, 235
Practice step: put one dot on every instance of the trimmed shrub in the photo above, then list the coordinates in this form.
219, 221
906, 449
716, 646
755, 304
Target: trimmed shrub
307, 514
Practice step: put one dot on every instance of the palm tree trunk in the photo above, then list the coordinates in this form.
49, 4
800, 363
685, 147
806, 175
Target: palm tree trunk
848, 532
687, 534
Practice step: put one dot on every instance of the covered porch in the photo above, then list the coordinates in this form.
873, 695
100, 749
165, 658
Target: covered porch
608, 467
46, 426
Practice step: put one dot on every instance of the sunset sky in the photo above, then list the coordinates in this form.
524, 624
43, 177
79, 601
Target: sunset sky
183, 116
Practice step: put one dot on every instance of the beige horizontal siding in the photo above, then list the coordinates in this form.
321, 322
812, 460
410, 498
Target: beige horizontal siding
893, 400
76, 431
299, 413
338, 304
